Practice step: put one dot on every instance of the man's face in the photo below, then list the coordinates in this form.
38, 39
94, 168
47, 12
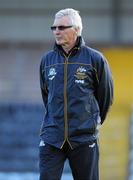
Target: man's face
64, 37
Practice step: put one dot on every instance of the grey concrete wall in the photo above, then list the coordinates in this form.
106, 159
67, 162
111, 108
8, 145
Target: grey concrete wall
31, 20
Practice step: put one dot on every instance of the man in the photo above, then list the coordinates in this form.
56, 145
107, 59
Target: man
77, 91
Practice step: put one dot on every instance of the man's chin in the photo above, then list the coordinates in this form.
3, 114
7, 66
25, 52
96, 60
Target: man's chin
59, 42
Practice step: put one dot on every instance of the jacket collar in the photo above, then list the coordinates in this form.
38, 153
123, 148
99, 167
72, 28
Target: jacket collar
79, 43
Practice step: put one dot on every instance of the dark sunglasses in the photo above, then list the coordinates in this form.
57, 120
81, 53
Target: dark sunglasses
61, 28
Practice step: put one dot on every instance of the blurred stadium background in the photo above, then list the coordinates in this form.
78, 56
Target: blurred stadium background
24, 37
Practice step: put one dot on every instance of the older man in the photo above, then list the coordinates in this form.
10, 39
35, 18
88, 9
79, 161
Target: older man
77, 90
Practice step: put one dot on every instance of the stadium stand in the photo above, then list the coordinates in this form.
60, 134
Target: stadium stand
115, 155
130, 167
24, 37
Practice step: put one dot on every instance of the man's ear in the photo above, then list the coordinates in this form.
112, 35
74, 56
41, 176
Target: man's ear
77, 30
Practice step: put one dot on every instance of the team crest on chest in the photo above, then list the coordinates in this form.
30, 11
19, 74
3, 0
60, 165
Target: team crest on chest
51, 74
80, 75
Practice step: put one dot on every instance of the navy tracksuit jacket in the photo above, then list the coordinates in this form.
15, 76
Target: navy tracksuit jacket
77, 91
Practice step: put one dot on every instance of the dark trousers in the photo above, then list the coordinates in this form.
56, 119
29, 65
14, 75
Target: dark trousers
83, 161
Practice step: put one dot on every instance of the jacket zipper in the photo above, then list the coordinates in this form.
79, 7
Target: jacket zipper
65, 103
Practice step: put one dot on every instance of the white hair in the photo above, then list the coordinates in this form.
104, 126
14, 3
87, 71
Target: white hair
74, 17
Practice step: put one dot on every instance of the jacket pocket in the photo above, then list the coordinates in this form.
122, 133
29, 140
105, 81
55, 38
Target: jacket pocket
87, 127
94, 105
48, 123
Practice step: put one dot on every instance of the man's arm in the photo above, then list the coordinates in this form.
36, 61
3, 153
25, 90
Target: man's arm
44, 90
104, 92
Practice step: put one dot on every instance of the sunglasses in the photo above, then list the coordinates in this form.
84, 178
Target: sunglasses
61, 28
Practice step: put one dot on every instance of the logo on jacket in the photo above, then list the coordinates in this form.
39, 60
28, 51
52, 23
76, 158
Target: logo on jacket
80, 75
52, 73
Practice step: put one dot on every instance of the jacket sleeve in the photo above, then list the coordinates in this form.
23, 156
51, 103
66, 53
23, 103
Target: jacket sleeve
43, 86
104, 90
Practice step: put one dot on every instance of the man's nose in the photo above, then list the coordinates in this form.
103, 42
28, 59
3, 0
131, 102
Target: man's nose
57, 31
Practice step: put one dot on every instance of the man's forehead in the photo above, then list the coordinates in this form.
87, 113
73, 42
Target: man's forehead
65, 20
